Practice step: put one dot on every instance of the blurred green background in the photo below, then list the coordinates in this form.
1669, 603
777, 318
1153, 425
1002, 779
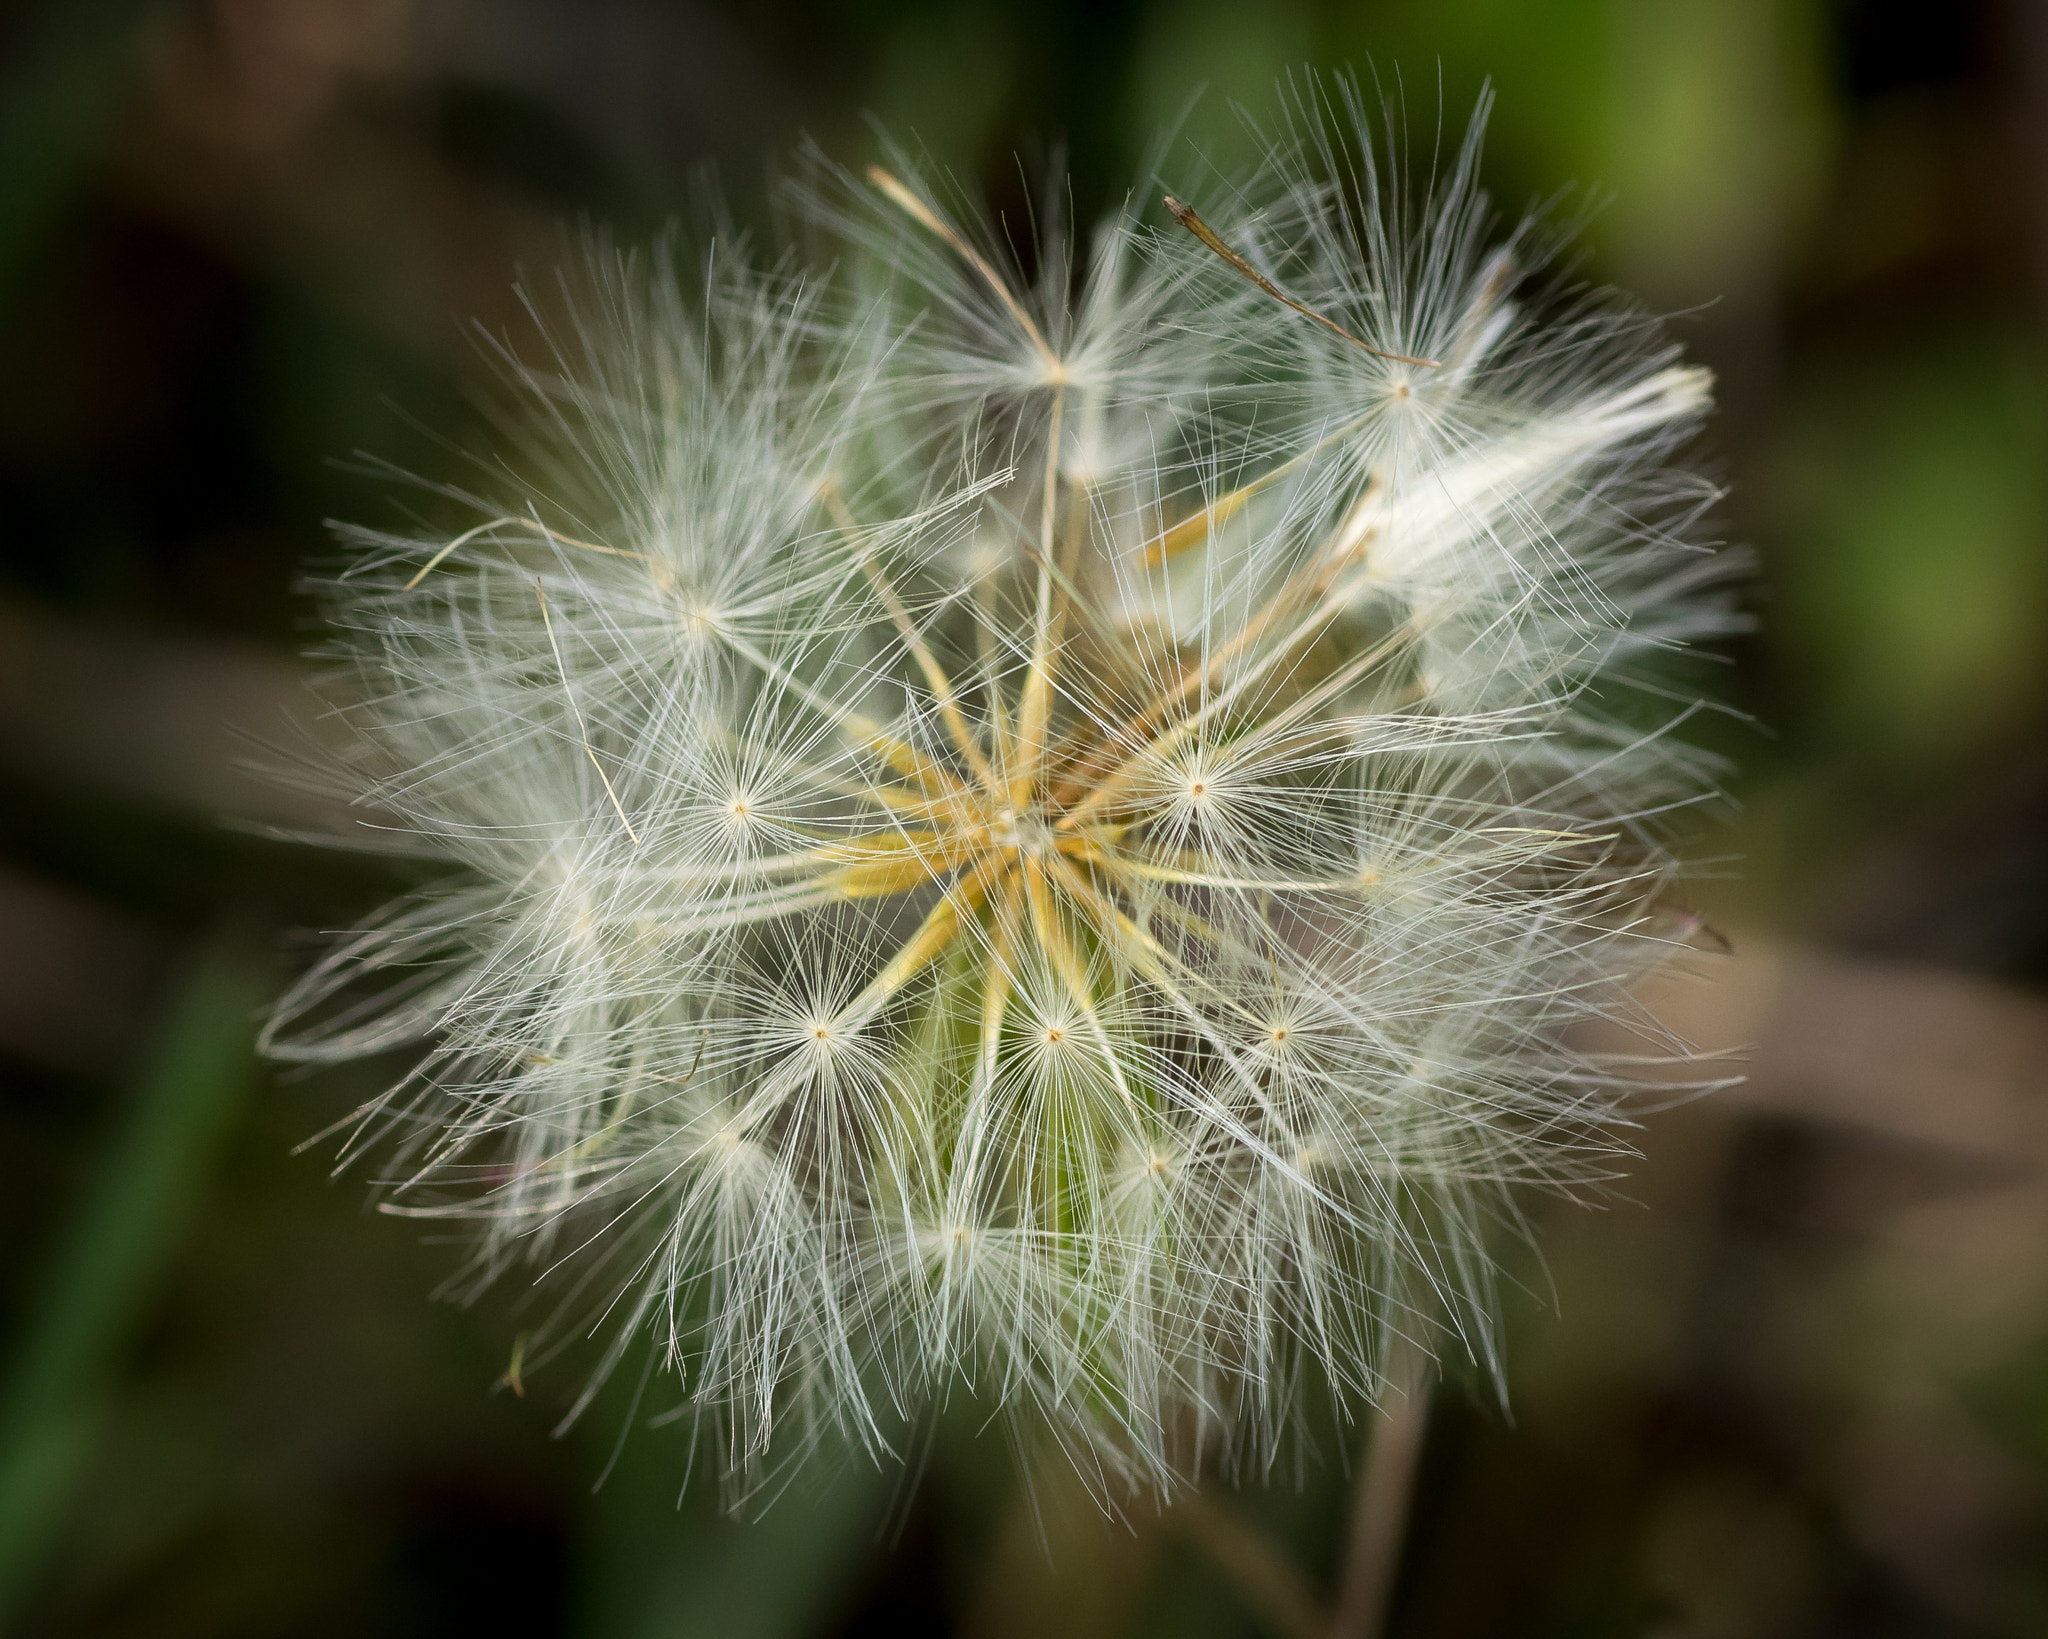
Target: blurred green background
1792, 1380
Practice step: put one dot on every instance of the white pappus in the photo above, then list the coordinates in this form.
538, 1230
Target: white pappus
1041, 837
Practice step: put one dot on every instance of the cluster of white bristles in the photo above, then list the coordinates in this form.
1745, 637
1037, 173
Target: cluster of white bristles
1039, 838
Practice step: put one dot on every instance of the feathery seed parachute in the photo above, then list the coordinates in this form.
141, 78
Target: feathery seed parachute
1042, 838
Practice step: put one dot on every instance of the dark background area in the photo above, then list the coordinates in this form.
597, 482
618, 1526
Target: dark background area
1792, 1380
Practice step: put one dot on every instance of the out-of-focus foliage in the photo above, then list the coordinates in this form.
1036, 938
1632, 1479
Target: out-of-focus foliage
1793, 1382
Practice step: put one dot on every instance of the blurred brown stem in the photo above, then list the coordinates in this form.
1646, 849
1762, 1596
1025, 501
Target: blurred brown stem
1386, 1486
1268, 1582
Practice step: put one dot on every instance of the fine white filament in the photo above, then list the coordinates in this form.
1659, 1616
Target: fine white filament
1034, 836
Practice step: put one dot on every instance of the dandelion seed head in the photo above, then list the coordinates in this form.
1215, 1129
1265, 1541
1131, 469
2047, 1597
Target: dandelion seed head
1035, 838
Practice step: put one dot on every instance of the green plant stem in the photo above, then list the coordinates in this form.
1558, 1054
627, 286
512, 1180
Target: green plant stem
111, 1254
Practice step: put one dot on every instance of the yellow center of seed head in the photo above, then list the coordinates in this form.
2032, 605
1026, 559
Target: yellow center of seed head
1018, 816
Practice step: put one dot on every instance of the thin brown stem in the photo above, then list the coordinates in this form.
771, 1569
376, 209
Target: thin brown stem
1034, 711
1386, 1489
1185, 216
1194, 528
938, 931
1312, 578
863, 730
930, 220
469, 535
934, 675
1059, 950
1351, 672
1271, 1585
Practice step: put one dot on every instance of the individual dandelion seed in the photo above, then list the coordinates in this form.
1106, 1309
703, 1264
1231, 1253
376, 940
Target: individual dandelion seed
1040, 838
